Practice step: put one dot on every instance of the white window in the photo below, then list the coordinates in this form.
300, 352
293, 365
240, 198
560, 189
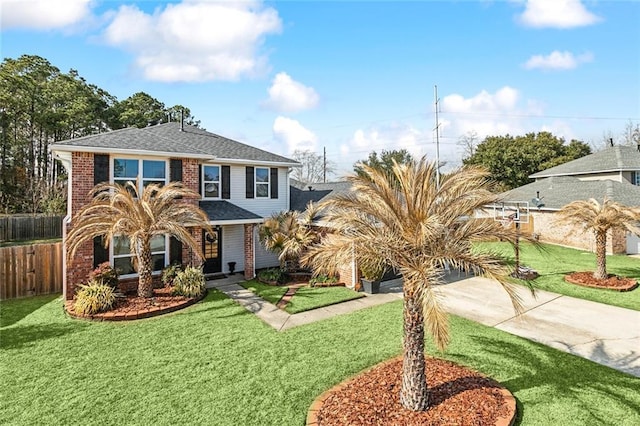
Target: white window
146, 171
123, 259
635, 178
262, 182
211, 181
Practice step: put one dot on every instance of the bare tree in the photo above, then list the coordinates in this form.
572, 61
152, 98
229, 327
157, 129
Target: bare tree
631, 133
468, 142
314, 167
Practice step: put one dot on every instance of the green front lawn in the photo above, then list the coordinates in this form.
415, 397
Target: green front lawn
308, 298
216, 363
305, 299
554, 262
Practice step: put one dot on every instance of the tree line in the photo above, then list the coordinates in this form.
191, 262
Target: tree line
41, 105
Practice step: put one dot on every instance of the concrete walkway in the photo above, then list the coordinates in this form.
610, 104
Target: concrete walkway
604, 334
281, 320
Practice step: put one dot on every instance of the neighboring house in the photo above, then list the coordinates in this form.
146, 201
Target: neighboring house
239, 186
613, 172
302, 194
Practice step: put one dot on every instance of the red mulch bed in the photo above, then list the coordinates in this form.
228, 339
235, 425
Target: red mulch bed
614, 282
458, 396
132, 307
162, 298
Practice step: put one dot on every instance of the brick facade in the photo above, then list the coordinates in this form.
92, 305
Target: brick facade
191, 179
78, 268
545, 225
249, 251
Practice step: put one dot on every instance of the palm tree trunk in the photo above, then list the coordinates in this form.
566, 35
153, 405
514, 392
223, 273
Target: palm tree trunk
145, 280
413, 394
601, 256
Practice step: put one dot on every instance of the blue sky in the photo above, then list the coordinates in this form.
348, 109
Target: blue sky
353, 77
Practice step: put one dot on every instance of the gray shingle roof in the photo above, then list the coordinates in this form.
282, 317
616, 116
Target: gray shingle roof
300, 195
615, 158
168, 138
221, 210
558, 191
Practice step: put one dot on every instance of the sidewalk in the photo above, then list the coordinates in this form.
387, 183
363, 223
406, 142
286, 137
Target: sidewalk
604, 334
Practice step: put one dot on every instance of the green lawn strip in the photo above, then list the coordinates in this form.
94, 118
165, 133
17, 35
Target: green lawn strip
270, 293
553, 262
216, 363
307, 298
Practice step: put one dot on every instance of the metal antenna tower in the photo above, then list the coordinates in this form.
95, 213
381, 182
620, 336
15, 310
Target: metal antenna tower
437, 129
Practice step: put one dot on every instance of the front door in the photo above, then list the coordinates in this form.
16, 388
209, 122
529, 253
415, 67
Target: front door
212, 250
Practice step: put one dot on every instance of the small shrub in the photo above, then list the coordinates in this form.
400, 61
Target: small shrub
170, 272
189, 282
272, 275
94, 297
105, 274
322, 281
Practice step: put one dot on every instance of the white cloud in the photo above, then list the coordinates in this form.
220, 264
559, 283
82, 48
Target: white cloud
196, 40
557, 14
487, 114
557, 60
493, 114
288, 95
294, 135
394, 136
43, 14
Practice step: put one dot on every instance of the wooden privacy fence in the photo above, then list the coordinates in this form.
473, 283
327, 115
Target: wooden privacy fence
30, 270
30, 227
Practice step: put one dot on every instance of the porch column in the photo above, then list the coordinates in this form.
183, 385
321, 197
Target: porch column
249, 251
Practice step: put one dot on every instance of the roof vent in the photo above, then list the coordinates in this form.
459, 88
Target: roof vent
611, 141
182, 120
310, 188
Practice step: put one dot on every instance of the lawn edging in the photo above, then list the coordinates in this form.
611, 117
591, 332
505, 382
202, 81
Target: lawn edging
129, 316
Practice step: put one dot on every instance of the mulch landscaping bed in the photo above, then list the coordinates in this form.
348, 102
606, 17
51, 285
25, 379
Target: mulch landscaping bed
458, 396
133, 307
614, 282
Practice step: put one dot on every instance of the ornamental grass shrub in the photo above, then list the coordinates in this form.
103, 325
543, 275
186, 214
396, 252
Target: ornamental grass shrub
189, 282
94, 297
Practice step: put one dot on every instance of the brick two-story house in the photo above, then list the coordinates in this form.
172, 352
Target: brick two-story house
613, 173
239, 185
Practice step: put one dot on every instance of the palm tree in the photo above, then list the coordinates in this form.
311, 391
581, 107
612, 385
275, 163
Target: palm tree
118, 210
591, 215
289, 234
403, 220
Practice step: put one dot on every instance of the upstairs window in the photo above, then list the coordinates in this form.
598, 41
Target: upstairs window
635, 178
145, 171
211, 181
262, 182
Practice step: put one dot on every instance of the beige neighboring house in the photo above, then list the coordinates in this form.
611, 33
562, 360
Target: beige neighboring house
613, 172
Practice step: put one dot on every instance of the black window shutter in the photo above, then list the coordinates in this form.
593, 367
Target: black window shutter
100, 254
200, 191
175, 250
250, 185
226, 182
274, 182
175, 170
100, 168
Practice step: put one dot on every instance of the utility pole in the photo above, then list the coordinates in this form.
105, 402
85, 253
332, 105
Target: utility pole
437, 105
324, 165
